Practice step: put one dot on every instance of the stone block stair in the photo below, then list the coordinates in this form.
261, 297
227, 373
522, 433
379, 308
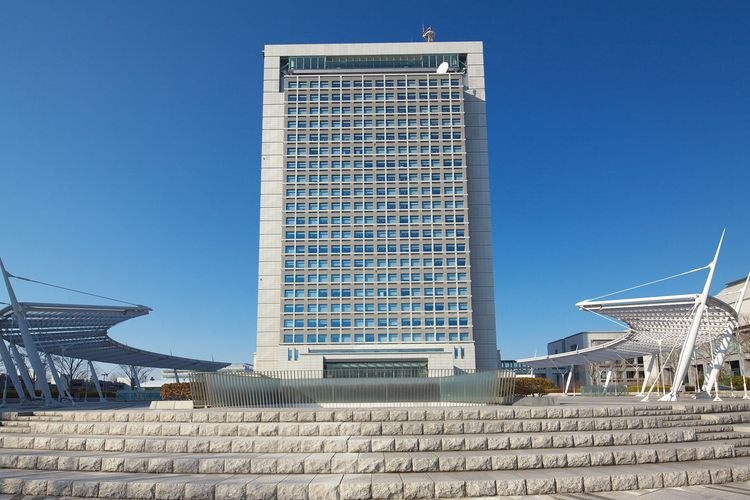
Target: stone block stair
372, 453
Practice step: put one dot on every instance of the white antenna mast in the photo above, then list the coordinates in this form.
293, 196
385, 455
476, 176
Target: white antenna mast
428, 34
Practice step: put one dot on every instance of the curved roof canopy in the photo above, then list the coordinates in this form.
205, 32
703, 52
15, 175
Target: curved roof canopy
81, 331
652, 322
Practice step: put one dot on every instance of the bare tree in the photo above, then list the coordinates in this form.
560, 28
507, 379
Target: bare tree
69, 369
134, 373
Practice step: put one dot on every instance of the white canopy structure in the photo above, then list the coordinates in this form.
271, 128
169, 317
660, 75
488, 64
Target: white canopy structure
76, 331
81, 331
656, 325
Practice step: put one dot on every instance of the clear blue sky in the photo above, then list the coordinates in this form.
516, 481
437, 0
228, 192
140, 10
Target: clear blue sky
130, 151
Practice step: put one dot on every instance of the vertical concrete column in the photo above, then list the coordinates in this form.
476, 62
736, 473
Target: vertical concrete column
268, 354
480, 212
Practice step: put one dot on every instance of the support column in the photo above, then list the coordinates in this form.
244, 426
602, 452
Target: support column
716, 390
24, 371
742, 373
176, 377
95, 379
55, 376
567, 381
62, 389
28, 341
689, 344
647, 375
717, 359
11, 370
66, 387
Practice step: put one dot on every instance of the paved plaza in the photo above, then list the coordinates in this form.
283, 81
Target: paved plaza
581, 448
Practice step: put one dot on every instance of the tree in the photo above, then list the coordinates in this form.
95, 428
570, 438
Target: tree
134, 373
69, 369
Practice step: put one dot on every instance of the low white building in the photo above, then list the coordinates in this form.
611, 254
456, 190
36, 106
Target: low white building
627, 371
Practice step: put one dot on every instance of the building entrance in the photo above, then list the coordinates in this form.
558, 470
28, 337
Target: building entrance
375, 369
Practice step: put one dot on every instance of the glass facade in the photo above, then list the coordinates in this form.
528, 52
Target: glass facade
372, 61
375, 215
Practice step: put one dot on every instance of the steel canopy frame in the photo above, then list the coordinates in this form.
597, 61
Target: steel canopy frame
653, 322
81, 331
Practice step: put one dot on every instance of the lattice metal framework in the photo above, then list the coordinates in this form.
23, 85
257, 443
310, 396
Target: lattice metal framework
81, 331
652, 322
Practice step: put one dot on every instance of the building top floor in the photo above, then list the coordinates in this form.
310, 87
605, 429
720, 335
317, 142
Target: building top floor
365, 49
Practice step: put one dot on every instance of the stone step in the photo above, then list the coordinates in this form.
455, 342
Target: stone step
358, 444
384, 485
325, 463
16, 430
718, 428
388, 414
341, 415
721, 436
736, 417
353, 428
46, 417
654, 412
239, 417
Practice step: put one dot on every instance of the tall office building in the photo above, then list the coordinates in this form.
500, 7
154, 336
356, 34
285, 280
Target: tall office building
375, 232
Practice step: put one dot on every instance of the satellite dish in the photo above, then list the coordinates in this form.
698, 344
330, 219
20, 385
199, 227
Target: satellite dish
443, 68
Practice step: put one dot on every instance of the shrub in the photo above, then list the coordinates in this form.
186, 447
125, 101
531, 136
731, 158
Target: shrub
527, 386
735, 381
176, 392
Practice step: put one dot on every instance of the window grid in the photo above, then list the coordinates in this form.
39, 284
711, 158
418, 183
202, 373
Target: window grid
417, 140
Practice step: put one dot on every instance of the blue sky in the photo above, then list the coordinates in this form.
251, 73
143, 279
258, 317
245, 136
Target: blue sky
130, 151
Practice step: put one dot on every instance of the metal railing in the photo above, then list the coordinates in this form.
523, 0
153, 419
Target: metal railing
312, 388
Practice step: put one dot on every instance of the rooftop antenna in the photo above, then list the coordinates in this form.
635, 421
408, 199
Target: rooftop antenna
428, 34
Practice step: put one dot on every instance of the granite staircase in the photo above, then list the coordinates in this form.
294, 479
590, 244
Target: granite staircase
437, 452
